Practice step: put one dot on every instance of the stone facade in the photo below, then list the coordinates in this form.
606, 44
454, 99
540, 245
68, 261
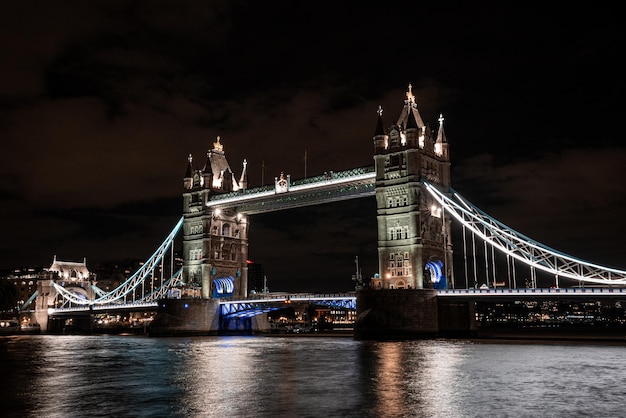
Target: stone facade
215, 242
414, 245
396, 314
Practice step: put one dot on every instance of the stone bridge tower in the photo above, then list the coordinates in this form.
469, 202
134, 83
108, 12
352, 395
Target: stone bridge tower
215, 243
75, 277
414, 245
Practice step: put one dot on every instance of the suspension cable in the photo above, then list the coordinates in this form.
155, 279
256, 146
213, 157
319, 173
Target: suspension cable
521, 247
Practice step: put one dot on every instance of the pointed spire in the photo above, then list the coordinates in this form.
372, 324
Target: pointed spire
441, 139
410, 111
189, 171
380, 130
243, 181
410, 98
217, 146
411, 123
441, 135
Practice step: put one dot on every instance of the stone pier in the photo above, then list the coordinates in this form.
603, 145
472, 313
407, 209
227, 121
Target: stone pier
186, 317
387, 314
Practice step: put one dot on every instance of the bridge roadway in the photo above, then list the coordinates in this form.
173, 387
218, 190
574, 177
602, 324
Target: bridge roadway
530, 293
261, 303
120, 307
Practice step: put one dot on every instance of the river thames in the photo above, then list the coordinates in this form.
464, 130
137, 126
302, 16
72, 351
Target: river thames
55, 376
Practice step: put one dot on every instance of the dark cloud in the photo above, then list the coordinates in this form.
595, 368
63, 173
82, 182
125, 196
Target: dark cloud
101, 102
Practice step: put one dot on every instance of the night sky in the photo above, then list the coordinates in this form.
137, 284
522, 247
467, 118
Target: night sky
102, 102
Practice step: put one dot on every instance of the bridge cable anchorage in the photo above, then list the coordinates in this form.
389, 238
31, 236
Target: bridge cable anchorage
118, 294
521, 247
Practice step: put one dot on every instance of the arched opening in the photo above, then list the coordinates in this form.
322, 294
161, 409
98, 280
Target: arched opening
223, 287
433, 274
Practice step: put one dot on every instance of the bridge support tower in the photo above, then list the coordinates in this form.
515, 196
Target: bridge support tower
73, 276
414, 245
215, 242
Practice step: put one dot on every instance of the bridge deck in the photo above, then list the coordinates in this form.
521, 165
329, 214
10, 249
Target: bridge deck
334, 186
534, 292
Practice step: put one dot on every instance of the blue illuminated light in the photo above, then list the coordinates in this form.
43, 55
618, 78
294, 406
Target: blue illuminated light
223, 287
186, 305
437, 277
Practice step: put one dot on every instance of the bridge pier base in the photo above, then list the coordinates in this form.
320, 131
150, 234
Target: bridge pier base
186, 317
40, 316
388, 314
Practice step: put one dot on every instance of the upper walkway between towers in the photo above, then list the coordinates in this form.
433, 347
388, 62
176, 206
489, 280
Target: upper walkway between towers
285, 194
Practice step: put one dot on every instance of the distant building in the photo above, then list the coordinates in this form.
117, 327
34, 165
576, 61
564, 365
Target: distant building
256, 278
25, 281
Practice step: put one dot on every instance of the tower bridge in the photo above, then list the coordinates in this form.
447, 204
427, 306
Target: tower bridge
416, 209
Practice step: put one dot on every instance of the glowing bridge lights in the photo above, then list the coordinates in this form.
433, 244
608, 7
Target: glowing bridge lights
519, 246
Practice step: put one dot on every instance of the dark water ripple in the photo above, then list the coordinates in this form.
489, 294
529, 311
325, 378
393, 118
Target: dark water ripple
130, 376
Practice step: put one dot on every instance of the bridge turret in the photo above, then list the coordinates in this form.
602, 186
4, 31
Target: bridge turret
188, 179
215, 239
243, 181
413, 237
218, 175
380, 138
442, 151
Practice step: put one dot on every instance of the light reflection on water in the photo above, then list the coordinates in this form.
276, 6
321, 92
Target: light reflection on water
115, 376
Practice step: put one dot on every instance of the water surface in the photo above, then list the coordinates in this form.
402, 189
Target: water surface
135, 376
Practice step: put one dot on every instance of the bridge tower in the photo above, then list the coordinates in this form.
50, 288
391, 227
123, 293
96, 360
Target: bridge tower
74, 276
215, 242
414, 245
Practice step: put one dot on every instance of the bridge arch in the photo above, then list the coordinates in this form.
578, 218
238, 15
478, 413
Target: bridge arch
434, 275
223, 287
78, 291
